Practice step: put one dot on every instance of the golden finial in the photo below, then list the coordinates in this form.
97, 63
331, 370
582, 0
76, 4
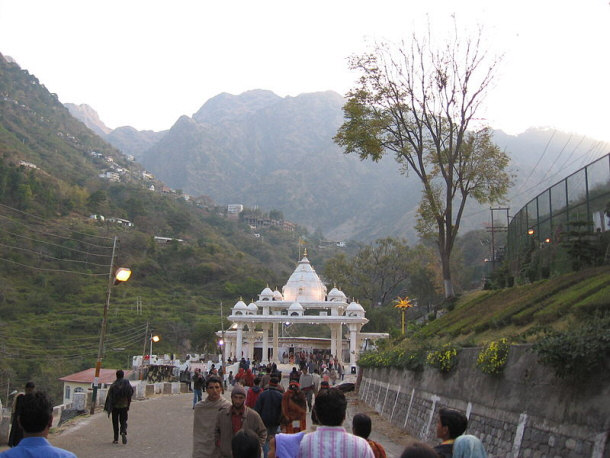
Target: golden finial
305, 252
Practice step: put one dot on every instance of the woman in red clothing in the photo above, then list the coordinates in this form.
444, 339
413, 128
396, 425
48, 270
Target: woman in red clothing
294, 409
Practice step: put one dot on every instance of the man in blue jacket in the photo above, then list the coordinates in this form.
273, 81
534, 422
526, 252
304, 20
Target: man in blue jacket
35, 419
269, 407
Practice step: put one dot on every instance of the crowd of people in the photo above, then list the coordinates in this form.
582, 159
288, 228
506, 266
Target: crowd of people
264, 419
261, 420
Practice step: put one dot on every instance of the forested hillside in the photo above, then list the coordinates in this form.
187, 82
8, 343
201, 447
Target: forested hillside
55, 259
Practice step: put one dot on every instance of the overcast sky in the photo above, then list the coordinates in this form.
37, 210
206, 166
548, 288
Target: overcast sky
144, 63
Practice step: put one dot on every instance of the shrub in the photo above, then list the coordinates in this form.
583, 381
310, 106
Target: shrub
578, 352
492, 359
444, 359
413, 359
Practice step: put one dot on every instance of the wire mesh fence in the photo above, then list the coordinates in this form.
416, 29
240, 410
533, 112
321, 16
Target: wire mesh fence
579, 202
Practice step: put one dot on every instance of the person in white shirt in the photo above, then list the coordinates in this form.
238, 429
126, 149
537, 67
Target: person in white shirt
331, 440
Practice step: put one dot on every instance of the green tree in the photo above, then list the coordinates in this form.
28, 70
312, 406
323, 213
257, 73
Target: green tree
418, 102
276, 214
97, 201
375, 274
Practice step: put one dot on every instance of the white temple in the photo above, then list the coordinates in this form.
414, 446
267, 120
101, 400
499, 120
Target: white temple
303, 300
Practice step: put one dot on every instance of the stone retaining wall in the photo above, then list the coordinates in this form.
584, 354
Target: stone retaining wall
525, 412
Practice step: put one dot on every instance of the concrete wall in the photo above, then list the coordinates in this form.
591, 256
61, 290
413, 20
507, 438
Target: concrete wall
525, 412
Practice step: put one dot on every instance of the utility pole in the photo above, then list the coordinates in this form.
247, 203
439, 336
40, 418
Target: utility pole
222, 347
493, 231
100, 349
144, 352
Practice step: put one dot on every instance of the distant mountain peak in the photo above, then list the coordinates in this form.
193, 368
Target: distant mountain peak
89, 117
229, 106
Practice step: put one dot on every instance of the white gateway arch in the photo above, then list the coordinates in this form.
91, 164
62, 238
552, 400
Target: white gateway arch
303, 300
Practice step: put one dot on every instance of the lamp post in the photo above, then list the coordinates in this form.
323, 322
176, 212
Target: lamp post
154, 339
221, 342
122, 274
403, 304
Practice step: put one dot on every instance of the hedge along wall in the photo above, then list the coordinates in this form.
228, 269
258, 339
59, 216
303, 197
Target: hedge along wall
524, 412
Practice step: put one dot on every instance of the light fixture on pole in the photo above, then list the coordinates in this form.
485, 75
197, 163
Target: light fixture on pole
221, 342
154, 339
122, 274
403, 304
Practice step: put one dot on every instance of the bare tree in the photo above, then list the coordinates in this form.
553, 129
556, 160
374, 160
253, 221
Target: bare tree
418, 101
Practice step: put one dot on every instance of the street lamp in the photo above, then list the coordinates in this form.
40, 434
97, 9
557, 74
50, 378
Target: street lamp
154, 339
120, 275
403, 304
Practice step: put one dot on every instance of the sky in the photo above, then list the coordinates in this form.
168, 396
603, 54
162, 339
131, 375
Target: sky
145, 63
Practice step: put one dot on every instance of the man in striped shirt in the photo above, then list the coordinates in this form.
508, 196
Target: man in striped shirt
331, 440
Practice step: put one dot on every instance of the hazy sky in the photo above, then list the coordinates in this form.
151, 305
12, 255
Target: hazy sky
144, 63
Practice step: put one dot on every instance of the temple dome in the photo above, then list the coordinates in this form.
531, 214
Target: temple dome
277, 296
336, 295
252, 308
354, 309
304, 285
266, 294
240, 308
295, 309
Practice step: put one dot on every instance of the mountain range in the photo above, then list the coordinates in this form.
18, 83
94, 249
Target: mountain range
263, 150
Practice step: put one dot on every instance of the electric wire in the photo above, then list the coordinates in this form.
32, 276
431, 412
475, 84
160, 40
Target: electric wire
591, 152
43, 269
540, 158
46, 256
44, 221
28, 352
51, 234
88, 253
93, 338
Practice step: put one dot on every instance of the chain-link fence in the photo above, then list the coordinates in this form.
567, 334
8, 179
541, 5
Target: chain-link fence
580, 202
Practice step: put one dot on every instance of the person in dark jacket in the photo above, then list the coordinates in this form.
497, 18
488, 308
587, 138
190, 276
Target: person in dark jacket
269, 407
16, 431
198, 386
117, 403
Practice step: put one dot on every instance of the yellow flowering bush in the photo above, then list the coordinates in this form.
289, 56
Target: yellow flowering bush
493, 357
444, 359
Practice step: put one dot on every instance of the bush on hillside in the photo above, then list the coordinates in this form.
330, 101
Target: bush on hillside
492, 359
577, 352
444, 359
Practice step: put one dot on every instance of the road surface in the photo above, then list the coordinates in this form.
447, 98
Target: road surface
162, 427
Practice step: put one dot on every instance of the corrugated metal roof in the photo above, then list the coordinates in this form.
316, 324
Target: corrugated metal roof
107, 376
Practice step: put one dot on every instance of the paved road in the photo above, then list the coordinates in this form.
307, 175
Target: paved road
162, 427
157, 427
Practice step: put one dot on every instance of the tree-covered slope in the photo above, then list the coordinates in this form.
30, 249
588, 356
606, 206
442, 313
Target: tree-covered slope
55, 259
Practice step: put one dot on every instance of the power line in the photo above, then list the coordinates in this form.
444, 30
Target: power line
42, 269
46, 256
88, 253
42, 220
51, 234
540, 158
